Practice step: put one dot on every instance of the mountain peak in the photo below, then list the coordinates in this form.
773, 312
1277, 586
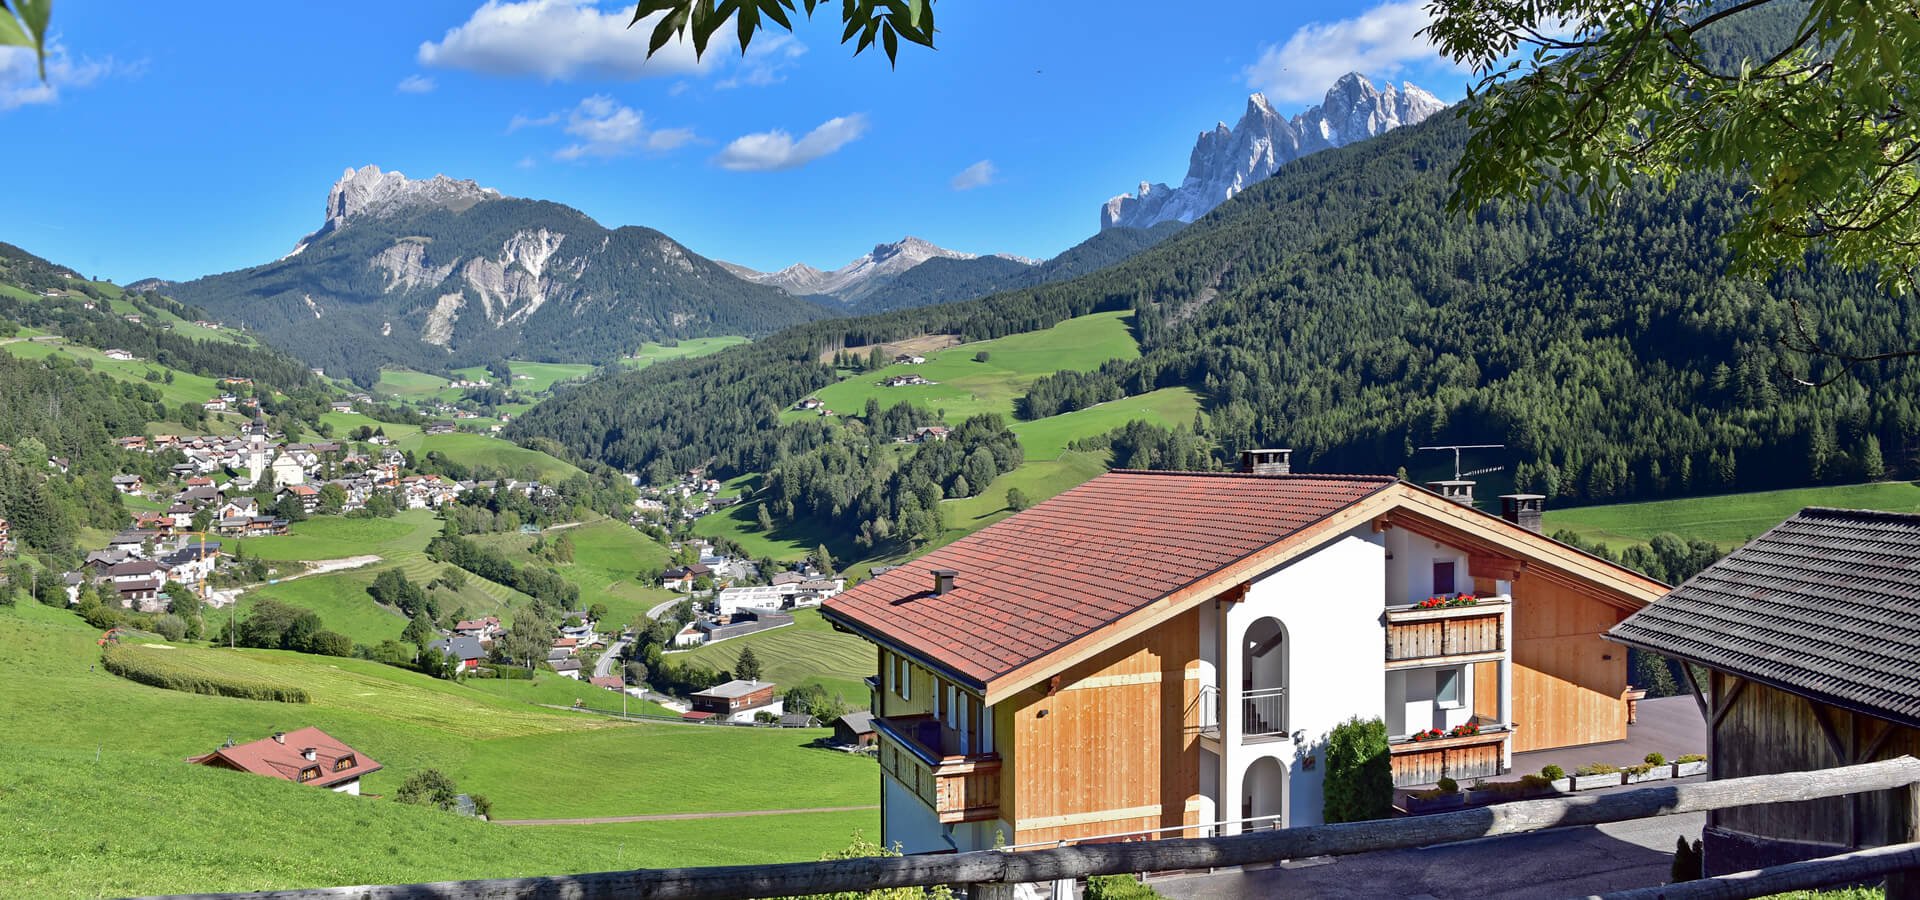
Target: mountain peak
1226, 161
858, 278
367, 191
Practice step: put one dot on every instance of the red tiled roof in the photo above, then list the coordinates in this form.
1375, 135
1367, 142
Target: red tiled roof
1034, 583
275, 759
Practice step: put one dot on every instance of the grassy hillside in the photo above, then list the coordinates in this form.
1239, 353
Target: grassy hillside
84, 748
606, 557
479, 450
965, 387
1727, 521
807, 650
686, 349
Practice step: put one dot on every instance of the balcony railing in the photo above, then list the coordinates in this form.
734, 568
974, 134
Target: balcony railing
1206, 712
958, 788
1458, 633
1480, 755
1263, 712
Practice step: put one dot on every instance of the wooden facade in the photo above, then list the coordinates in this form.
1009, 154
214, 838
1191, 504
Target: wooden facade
1569, 682
1761, 730
1097, 751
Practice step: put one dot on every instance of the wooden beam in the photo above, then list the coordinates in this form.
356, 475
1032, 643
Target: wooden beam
1001, 867
1834, 742
1846, 868
1726, 703
1699, 696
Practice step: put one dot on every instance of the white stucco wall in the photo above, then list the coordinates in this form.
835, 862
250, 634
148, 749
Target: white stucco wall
1418, 711
908, 821
1410, 571
1329, 601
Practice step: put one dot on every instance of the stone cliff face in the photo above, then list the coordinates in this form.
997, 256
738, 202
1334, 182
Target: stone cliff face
1225, 161
369, 192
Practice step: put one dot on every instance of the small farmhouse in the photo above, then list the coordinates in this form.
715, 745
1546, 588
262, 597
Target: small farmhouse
306, 756
1810, 635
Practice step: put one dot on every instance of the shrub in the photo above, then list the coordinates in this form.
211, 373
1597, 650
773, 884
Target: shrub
1686, 861
1553, 773
1447, 785
1655, 759
1692, 758
1536, 782
429, 787
1359, 779
158, 669
1596, 769
1118, 887
1641, 769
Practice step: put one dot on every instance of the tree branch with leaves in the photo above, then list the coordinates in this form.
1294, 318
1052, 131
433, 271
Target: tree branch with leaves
886, 22
23, 23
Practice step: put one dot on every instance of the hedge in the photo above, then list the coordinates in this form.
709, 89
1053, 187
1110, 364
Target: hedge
159, 669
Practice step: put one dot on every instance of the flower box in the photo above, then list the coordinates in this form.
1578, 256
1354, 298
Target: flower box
1689, 769
1657, 773
1589, 782
1562, 785
1418, 805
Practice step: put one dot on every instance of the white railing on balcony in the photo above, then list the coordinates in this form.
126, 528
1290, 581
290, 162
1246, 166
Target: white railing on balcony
1263, 712
1207, 710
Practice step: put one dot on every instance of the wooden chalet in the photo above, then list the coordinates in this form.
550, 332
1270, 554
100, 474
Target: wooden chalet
1810, 635
1161, 653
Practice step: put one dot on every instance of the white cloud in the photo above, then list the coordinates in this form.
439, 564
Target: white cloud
603, 127
769, 151
978, 175
20, 83
765, 62
558, 40
1382, 42
415, 84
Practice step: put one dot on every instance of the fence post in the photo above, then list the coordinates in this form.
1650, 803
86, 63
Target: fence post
1905, 885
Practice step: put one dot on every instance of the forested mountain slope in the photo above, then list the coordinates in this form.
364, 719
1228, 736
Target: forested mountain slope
944, 280
1337, 308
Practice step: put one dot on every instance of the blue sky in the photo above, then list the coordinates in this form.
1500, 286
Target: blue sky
180, 145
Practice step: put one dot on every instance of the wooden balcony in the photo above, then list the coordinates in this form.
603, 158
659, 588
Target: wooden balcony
1459, 758
1460, 634
959, 788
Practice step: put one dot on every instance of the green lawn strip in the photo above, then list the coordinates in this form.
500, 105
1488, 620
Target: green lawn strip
1728, 520
807, 650
607, 556
785, 542
653, 768
542, 376
344, 423
341, 600
965, 387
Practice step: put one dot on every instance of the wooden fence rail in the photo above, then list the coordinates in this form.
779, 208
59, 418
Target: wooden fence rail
991, 867
1859, 866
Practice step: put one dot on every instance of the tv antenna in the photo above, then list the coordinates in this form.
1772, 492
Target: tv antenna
1456, 448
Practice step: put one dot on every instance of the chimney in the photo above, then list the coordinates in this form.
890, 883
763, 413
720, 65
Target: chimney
279, 737
1522, 510
1460, 492
1269, 461
943, 581
308, 753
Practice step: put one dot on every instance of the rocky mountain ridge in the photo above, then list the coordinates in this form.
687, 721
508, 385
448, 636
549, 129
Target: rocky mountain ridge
369, 192
864, 275
1225, 161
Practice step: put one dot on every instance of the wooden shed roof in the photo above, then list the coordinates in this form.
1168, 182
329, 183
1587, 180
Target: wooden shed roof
1825, 605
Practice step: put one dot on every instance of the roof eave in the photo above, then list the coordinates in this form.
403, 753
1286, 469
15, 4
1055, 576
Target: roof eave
840, 620
1776, 684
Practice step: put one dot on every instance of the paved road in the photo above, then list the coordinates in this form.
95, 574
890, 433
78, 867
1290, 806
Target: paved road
672, 817
1563, 862
604, 666
661, 609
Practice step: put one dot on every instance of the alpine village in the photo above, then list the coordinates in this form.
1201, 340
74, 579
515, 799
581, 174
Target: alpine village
1491, 471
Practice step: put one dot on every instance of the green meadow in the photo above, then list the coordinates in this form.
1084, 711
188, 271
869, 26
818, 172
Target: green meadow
1728, 520
86, 750
649, 354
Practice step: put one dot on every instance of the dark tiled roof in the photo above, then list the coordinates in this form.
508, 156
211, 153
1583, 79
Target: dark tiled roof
1827, 604
1040, 580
